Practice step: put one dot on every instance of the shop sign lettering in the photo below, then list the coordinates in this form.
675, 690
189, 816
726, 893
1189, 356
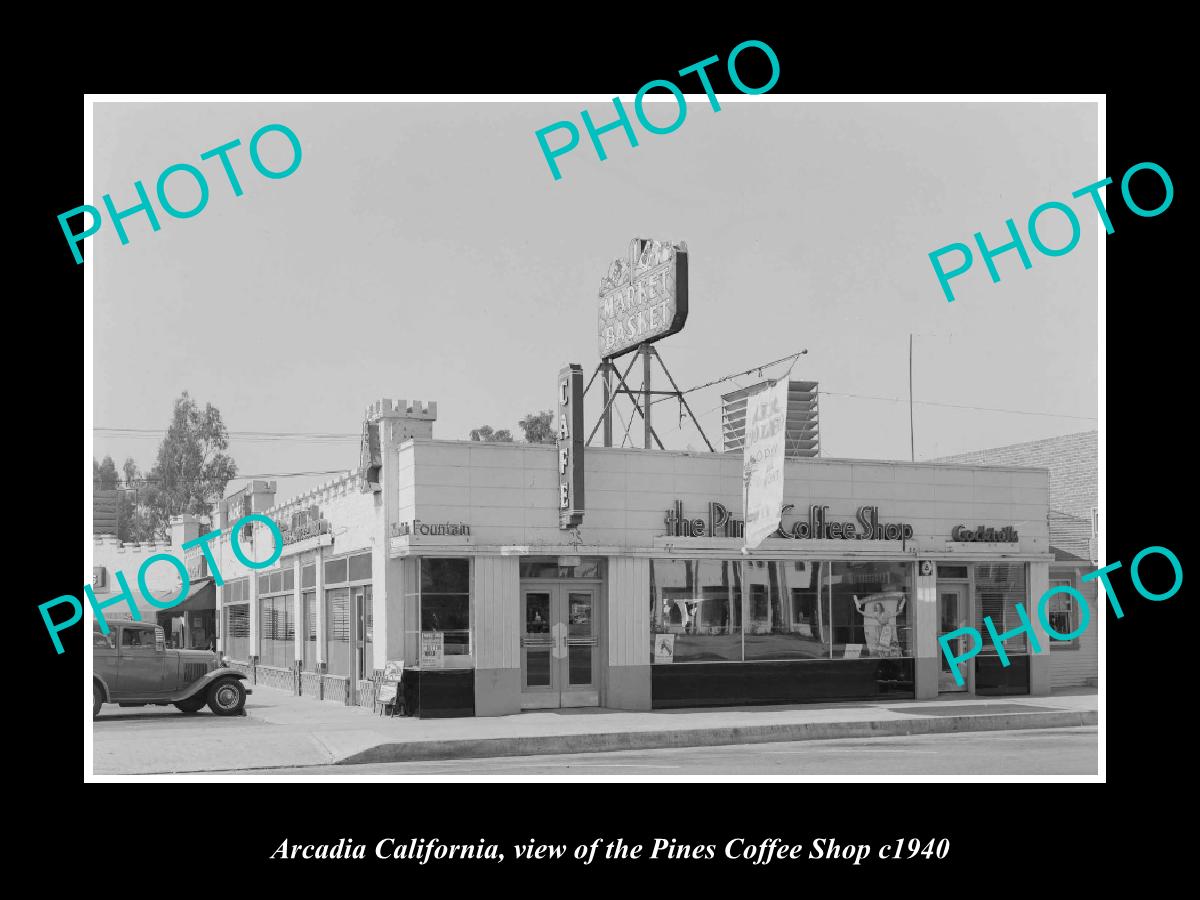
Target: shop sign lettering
816, 526
644, 296
569, 442
430, 529
304, 524
1006, 535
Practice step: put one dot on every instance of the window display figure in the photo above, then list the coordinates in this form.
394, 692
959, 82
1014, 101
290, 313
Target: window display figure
879, 612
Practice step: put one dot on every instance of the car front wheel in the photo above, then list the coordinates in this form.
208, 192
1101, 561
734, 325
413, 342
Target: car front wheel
97, 699
227, 697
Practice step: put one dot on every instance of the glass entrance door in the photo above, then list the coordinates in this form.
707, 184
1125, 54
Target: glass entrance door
361, 599
952, 615
559, 646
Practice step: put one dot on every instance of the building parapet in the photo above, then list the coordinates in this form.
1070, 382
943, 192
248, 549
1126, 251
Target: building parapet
108, 540
416, 409
346, 483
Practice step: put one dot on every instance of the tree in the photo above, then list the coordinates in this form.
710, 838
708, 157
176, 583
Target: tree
191, 470
133, 518
538, 428
104, 474
488, 436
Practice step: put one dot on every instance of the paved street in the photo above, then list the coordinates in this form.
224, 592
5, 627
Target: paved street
1052, 751
282, 732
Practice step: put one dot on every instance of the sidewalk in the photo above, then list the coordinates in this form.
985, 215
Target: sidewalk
281, 730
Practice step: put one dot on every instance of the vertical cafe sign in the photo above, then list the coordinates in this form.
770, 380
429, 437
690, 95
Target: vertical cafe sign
762, 458
644, 296
570, 446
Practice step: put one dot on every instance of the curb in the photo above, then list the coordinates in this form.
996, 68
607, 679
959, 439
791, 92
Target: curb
414, 751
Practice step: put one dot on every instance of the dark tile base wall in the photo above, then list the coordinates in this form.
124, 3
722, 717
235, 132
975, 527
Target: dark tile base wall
994, 680
444, 694
758, 683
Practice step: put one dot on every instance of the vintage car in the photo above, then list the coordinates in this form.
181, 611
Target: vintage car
131, 666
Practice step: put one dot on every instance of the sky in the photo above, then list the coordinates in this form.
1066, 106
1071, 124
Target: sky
423, 250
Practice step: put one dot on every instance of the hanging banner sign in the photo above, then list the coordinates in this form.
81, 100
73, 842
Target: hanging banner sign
644, 296
762, 460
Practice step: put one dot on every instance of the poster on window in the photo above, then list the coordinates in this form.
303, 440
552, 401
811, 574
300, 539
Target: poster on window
762, 460
432, 649
664, 648
880, 613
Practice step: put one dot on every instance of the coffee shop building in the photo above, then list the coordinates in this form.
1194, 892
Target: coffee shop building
452, 557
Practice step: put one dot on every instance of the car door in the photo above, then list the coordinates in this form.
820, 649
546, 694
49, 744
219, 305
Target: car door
143, 653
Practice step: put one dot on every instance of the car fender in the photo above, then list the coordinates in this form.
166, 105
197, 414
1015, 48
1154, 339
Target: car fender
202, 684
105, 693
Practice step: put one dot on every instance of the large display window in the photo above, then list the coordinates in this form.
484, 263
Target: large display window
446, 602
699, 603
999, 587
775, 610
277, 621
348, 588
235, 605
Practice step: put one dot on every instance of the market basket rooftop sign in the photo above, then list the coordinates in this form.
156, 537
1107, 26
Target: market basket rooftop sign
643, 298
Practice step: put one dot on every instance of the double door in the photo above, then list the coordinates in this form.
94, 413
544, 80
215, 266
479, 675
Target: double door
560, 647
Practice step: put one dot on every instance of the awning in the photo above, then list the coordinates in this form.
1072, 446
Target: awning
201, 595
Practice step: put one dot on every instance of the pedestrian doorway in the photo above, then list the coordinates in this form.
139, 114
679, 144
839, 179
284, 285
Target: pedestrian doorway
953, 613
560, 645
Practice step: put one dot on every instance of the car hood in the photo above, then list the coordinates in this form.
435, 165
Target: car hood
196, 655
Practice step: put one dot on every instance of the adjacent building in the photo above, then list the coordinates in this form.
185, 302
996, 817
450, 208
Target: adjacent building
191, 623
452, 557
1071, 460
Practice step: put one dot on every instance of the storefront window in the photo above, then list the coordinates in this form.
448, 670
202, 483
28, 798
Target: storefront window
1061, 614
796, 609
548, 567
784, 616
236, 612
699, 602
335, 571
446, 602
999, 587
349, 601
869, 612
309, 602
337, 638
277, 616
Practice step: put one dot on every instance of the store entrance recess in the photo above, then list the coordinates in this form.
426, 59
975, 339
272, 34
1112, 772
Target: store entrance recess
560, 652
952, 615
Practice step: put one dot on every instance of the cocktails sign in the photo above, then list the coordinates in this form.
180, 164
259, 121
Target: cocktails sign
643, 298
